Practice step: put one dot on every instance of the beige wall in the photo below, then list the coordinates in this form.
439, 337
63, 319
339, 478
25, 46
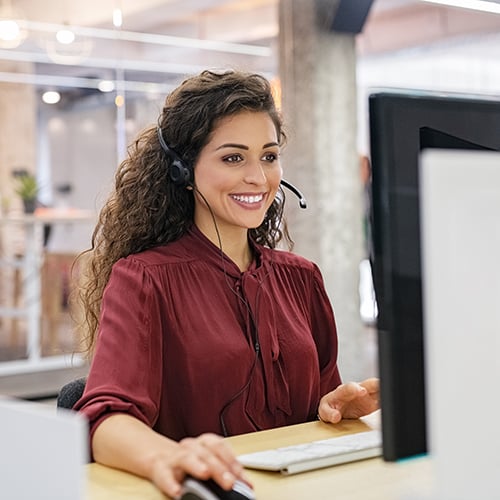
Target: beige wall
17, 129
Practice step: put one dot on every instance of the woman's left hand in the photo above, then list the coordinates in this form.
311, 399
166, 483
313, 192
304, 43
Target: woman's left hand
350, 400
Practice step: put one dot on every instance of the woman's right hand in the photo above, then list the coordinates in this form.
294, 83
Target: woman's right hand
123, 442
203, 457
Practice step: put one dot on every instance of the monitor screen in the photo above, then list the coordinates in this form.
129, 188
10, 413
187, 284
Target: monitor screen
403, 123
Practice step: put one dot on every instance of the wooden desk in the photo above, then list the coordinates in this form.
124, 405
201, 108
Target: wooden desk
371, 479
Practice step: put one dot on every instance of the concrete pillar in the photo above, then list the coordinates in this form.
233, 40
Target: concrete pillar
318, 75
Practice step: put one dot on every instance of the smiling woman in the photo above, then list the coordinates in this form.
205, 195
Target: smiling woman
199, 326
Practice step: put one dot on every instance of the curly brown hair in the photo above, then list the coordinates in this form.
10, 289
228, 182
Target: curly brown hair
146, 208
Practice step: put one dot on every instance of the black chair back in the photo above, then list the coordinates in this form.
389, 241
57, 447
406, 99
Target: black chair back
71, 393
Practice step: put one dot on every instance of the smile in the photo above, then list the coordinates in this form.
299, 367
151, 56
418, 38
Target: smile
257, 198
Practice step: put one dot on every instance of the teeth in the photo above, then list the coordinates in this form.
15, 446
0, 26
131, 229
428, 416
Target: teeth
249, 199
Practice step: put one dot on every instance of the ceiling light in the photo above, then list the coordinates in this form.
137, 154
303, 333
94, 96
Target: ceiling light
119, 101
11, 33
9, 30
117, 18
106, 86
481, 5
51, 97
65, 36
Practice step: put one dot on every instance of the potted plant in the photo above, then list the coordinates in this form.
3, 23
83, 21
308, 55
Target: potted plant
27, 188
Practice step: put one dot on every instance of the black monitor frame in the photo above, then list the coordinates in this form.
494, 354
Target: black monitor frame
402, 123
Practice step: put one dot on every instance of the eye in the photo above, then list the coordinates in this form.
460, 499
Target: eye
234, 158
270, 156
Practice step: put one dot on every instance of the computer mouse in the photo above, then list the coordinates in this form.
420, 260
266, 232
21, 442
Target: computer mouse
200, 489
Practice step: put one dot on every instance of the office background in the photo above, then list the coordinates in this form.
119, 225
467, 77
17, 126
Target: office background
321, 75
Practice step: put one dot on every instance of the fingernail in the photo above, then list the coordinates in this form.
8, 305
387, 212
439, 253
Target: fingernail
228, 479
175, 492
246, 479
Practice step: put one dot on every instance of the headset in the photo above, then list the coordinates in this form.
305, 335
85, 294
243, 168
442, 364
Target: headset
182, 175
296, 192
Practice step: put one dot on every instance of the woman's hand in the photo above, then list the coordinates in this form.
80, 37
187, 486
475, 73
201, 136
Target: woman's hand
204, 457
351, 400
123, 442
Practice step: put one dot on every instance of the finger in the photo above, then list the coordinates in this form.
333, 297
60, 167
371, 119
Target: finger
328, 414
349, 391
332, 405
332, 415
223, 451
215, 455
168, 480
372, 385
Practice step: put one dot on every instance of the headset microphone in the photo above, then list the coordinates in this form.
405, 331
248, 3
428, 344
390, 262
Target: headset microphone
296, 192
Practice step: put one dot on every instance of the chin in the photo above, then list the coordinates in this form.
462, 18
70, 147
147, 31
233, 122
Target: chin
255, 224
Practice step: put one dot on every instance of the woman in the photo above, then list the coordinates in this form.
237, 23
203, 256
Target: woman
199, 326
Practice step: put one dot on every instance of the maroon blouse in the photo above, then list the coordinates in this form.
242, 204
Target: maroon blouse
178, 333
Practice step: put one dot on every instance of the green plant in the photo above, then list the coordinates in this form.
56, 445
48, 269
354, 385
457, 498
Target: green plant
26, 186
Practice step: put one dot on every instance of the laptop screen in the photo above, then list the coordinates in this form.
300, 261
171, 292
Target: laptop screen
42, 451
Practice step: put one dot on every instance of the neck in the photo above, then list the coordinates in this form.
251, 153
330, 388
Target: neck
241, 255
234, 243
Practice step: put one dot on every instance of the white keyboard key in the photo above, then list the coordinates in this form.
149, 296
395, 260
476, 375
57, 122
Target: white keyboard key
316, 454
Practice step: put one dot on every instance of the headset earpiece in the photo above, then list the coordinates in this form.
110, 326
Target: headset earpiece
180, 174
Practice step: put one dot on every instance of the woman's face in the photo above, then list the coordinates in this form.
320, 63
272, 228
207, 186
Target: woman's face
237, 173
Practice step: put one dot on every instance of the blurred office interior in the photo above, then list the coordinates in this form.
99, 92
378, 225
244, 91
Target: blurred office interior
78, 80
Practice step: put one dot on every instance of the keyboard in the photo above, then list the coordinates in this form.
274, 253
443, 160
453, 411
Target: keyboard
316, 454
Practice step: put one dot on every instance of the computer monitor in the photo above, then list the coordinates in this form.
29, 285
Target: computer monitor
402, 124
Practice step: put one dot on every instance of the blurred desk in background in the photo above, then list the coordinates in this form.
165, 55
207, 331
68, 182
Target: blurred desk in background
26, 267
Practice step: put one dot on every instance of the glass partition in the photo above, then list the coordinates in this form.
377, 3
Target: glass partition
71, 100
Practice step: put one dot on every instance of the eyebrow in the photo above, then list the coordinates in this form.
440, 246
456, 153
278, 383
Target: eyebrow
242, 146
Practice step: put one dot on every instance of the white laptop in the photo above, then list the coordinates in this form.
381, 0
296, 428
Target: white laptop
42, 451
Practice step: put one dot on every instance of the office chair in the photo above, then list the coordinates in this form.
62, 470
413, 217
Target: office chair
70, 393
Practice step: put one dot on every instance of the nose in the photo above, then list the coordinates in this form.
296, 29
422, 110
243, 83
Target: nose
255, 173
